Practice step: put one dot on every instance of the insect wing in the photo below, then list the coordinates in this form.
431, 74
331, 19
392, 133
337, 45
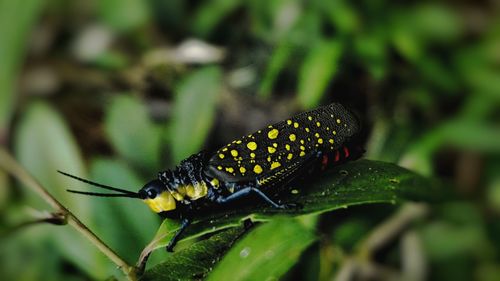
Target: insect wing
272, 153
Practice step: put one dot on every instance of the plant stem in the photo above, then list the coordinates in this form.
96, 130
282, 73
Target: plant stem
9, 164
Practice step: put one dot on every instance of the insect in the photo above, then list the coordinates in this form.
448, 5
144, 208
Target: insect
251, 166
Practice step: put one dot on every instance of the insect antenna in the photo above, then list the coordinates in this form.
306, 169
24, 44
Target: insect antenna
123, 192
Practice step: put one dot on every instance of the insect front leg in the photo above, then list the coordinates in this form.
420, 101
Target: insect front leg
171, 244
245, 192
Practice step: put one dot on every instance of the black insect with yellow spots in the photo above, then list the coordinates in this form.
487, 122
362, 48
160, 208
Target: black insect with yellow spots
253, 165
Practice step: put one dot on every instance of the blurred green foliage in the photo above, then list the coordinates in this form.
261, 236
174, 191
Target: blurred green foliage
117, 89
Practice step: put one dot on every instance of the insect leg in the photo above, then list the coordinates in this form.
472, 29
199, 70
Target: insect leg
247, 191
171, 244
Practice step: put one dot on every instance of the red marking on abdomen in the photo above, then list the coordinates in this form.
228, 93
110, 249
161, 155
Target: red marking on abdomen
337, 156
346, 152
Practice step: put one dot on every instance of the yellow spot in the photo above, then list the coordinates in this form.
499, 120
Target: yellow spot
307, 130
302, 153
275, 165
292, 137
318, 124
271, 149
338, 121
294, 191
328, 128
310, 118
302, 141
334, 132
290, 156
239, 141
234, 153
316, 135
252, 145
221, 156
215, 182
295, 125
273, 134
289, 122
224, 149
252, 155
287, 146
275, 144
257, 169
320, 140
331, 141
268, 158
242, 170
196, 191
229, 169
270, 126
259, 131
179, 194
219, 168
302, 147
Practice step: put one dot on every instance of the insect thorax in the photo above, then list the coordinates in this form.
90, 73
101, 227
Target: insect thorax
187, 181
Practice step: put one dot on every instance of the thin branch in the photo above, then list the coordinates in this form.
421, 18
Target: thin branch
9, 164
360, 262
56, 219
389, 229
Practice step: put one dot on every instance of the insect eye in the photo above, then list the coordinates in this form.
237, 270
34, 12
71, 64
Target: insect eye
151, 193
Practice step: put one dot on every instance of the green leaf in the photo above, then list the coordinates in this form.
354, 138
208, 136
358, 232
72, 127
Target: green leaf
124, 15
319, 68
459, 132
194, 111
436, 22
372, 51
266, 253
210, 14
132, 133
276, 64
196, 261
16, 20
342, 16
360, 182
44, 144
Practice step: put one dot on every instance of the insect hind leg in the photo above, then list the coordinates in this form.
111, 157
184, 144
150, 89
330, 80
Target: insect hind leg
245, 192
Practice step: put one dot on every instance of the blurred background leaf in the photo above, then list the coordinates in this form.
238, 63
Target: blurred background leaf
318, 70
43, 155
132, 133
16, 22
194, 111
